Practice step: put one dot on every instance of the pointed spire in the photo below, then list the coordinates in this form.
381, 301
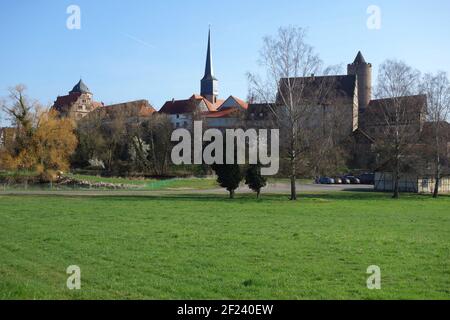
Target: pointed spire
359, 58
209, 85
209, 71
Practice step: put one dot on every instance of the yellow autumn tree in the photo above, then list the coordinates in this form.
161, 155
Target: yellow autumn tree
44, 142
53, 143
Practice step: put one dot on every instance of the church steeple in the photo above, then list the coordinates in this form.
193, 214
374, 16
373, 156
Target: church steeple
209, 70
209, 83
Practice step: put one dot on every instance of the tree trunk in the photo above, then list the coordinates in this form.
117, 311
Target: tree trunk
258, 193
437, 178
231, 194
396, 181
293, 179
438, 165
293, 189
436, 187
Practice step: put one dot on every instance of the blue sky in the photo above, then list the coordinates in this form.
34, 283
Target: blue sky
110, 55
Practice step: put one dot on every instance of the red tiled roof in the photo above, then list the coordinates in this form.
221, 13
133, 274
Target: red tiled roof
141, 108
220, 114
63, 101
189, 105
215, 106
180, 106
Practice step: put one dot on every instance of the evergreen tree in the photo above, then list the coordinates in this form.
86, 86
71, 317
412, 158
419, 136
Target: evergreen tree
229, 176
254, 179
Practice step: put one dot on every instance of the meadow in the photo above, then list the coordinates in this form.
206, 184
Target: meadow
210, 247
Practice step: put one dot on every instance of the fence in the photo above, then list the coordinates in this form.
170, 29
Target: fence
410, 183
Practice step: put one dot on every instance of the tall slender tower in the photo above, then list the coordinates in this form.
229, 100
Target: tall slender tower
209, 83
363, 72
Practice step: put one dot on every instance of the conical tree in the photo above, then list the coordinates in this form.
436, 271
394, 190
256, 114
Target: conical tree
254, 179
229, 176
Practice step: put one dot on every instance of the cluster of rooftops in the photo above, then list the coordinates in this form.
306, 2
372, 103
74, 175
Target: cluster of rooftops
207, 102
356, 85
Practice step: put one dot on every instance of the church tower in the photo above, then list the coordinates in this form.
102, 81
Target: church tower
209, 83
363, 72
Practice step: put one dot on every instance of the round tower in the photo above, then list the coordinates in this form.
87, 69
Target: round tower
363, 72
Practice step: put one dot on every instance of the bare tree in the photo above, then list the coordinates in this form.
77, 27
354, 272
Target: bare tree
399, 115
2, 112
92, 141
20, 108
22, 112
291, 91
437, 89
158, 130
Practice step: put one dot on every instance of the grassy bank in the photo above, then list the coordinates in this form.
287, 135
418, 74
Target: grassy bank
154, 184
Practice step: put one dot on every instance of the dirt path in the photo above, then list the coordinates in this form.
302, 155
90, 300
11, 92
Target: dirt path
274, 188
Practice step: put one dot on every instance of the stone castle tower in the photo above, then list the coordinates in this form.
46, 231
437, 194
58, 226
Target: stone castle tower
363, 72
209, 83
77, 104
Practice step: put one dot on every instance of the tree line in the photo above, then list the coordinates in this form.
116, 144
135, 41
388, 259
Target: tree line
124, 143
399, 142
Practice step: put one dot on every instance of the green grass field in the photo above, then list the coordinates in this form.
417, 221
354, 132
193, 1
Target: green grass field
209, 247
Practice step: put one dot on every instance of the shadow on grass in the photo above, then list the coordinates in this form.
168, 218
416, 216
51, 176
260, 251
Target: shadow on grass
353, 194
350, 194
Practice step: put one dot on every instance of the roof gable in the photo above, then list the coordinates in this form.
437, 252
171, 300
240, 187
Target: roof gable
233, 102
180, 106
